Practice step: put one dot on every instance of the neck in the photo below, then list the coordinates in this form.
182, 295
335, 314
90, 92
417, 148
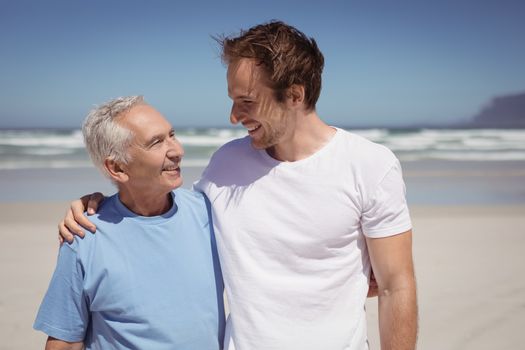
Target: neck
145, 204
307, 136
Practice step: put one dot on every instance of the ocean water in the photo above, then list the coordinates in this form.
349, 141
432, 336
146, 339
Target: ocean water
440, 167
30, 149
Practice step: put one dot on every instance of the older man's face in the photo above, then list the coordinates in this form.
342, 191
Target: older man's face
155, 152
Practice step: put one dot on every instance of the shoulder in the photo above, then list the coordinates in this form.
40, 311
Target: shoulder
229, 159
235, 147
366, 156
367, 163
107, 212
363, 149
194, 202
194, 209
189, 197
106, 215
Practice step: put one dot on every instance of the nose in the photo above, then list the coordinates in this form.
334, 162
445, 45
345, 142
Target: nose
234, 115
175, 149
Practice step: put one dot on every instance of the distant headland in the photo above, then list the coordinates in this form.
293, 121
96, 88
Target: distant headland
506, 111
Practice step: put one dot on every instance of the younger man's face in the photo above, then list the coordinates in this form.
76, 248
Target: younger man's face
254, 104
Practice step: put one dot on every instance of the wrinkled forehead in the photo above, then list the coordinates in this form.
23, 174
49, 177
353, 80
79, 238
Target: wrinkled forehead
144, 122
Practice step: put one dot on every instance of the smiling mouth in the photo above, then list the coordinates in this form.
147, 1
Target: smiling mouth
171, 169
252, 129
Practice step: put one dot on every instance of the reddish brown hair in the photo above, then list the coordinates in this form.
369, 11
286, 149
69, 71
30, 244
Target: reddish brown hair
286, 54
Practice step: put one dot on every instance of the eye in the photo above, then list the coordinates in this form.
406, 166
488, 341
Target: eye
155, 142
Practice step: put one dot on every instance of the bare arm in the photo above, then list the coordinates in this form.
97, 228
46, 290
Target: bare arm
391, 259
57, 344
74, 219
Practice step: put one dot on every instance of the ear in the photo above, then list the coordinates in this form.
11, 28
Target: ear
295, 94
116, 171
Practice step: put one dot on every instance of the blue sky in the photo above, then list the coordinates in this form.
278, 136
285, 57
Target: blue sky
387, 63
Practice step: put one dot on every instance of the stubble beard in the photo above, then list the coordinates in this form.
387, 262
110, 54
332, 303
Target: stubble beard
273, 133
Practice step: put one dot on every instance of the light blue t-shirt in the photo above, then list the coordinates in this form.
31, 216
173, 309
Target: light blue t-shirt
139, 282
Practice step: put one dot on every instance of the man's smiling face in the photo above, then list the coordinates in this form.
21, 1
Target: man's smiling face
155, 152
254, 104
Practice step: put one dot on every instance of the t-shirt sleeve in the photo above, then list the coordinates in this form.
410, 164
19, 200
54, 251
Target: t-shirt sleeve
202, 183
386, 213
199, 185
64, 313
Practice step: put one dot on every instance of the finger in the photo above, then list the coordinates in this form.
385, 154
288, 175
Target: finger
64, 233
73, 226
94, 200
76, 217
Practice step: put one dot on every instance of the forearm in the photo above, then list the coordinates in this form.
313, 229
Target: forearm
57, 344
398, 317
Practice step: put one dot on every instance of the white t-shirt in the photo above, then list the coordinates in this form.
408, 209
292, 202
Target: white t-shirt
291, 239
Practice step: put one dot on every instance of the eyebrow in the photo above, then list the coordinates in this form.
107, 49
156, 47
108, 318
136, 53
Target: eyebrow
158, 136
241, 97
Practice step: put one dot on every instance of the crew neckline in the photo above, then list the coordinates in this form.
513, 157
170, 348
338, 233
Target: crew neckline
275, 162
146, 219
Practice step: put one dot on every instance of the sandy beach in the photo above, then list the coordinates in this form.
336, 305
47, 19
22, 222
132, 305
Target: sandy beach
469, 263
469, 267
467, 251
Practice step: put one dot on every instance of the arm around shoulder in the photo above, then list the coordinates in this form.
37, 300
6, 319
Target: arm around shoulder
74, 219
391, 259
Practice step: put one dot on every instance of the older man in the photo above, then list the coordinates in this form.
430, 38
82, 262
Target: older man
150, 277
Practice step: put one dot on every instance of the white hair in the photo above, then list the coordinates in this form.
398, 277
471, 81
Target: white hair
103, 136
